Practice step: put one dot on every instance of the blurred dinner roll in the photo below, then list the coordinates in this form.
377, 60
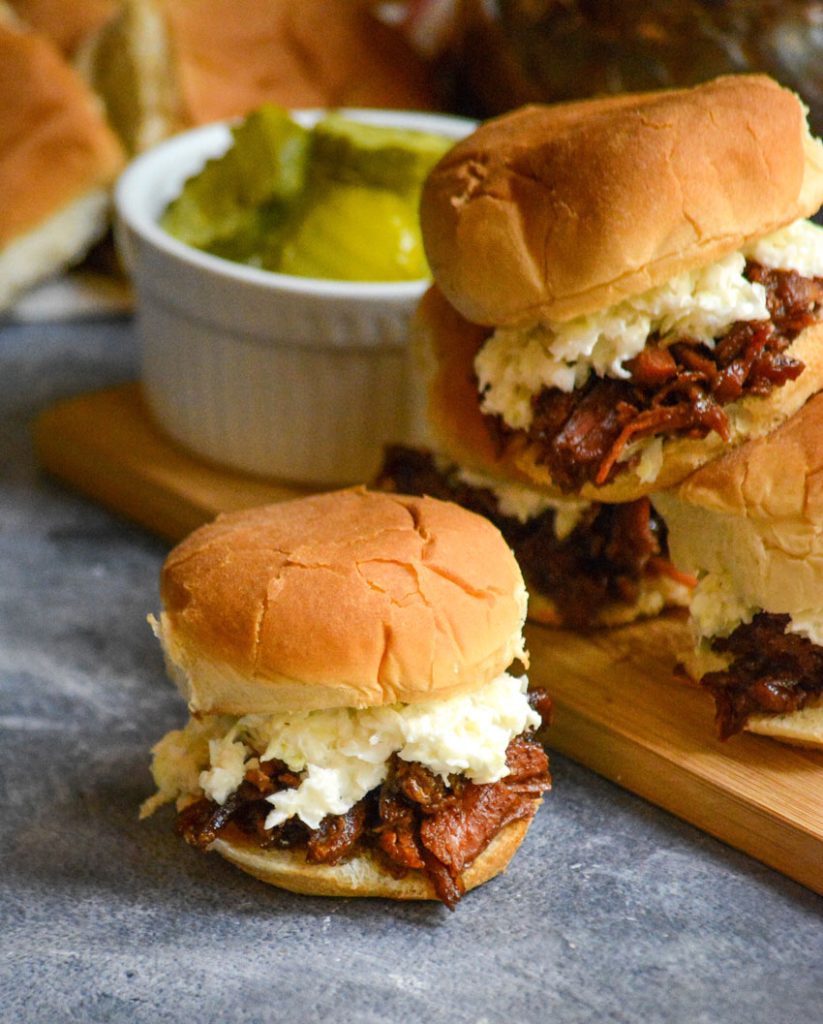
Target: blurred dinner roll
67, 23
58, 159
165, 65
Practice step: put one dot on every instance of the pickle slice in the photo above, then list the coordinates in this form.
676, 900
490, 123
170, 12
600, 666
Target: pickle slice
354, 233
339, 201
219, 208
271, 153
389, 158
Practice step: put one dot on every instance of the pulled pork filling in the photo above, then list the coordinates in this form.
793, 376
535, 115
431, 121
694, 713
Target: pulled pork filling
603, 561
772, 672
414, 821
674, 388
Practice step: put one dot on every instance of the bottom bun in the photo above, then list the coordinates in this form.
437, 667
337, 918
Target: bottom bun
802, 728
363, 875
654, 595
58, 242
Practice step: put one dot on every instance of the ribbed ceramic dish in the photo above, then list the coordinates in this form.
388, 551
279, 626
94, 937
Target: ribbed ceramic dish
285, 377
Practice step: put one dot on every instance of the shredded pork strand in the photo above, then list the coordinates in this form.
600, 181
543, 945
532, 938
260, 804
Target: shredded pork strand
677, 388
772, 671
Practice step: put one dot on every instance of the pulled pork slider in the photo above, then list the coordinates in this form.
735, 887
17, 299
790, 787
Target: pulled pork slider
750, 526
354, 730
586, 564
624, 287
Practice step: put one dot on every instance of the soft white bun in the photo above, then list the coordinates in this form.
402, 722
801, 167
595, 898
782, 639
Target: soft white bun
447, 344
58, 158
350, 599
163, 65
802, 728
551, 212
363, 875
756, 515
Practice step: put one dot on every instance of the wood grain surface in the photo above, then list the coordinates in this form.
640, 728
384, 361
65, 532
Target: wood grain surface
618, 708
106, 446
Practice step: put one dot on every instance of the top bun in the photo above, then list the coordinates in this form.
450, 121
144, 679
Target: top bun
350, 599
58, 159
754, 516
55, 145
779, 477
233, 57
551, 212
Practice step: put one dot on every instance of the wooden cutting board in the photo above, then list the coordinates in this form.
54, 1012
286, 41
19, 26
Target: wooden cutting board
618, 709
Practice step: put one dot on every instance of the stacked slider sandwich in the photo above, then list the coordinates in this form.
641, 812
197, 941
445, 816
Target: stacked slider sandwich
750, 525
355, 730
624, 289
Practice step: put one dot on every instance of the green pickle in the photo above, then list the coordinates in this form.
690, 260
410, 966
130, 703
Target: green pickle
230, 207
354, 233
338, 201
389, 158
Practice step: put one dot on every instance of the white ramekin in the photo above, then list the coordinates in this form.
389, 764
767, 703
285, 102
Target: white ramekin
287, 377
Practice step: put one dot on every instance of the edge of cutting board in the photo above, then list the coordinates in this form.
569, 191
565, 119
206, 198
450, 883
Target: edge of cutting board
106, 446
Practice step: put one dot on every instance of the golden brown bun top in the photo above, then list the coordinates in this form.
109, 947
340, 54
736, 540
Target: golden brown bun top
551, 212
233, 56
349, 599
68, 23
777, 477
55, 144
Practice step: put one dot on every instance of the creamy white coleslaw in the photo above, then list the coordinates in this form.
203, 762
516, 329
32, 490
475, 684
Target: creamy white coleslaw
515, 364
341, 754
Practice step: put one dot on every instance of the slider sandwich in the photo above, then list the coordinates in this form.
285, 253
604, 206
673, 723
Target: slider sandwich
354, 729
165, 65
586, 564
625, 287
58, 161
750, 526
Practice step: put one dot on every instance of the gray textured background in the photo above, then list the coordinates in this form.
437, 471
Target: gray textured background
612, 911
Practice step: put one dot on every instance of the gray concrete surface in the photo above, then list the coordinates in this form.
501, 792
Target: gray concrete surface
612, 911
